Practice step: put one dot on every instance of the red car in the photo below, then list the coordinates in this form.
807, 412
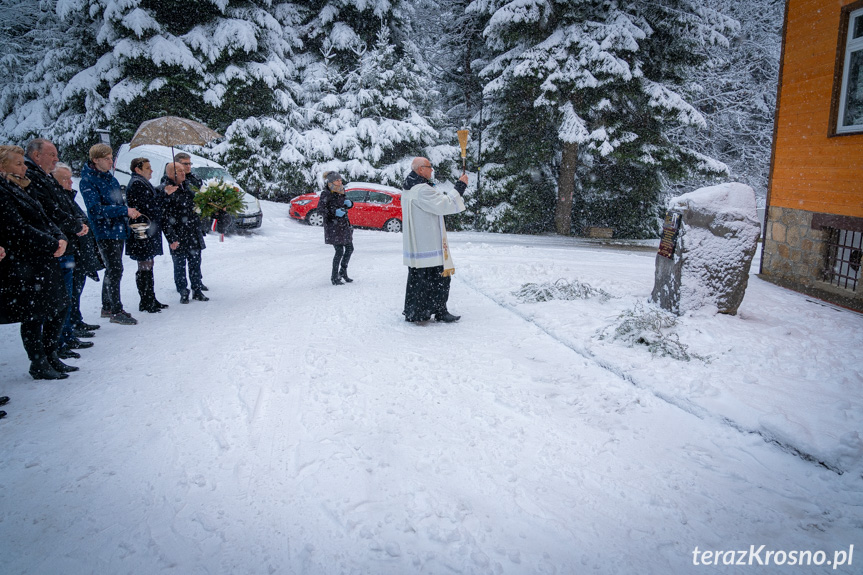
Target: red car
375, 206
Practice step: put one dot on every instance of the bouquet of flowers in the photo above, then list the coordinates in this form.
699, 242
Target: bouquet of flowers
216, 197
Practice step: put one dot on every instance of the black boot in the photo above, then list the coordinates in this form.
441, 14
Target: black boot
151, 291
144, 281
336, 279
184, 297
59, 366
344, 275
41, 369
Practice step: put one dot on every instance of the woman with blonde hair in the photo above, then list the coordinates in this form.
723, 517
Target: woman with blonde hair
32, 291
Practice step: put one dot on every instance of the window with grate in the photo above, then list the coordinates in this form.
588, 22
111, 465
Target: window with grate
844, 251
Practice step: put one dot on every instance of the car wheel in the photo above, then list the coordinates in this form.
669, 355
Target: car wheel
392, 225
315, 218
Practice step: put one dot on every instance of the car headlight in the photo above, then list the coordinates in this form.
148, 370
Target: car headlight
301, 202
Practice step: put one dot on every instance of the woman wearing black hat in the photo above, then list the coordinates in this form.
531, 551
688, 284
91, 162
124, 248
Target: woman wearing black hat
338, 231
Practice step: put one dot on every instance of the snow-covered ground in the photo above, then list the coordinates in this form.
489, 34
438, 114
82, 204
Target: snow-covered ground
290, 426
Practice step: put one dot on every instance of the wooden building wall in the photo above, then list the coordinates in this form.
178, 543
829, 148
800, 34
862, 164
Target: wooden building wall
812, 171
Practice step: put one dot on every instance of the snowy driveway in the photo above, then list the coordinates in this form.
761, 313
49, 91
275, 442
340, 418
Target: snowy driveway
289, 426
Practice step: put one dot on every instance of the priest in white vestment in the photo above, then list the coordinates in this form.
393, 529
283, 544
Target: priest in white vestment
426, 252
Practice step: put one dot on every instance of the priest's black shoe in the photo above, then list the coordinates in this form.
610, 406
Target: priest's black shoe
446, 317
199, 296
88, 326
79, 333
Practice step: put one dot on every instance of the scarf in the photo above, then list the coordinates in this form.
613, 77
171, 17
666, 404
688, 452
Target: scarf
21, 181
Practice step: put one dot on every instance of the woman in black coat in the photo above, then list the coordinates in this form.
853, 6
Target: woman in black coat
32, 291
141, 195
338, 231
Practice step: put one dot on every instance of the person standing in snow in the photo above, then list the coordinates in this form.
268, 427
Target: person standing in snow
41, 159
192, 183
426, 252
106, 206
87, 262
338, 231
182, 227
141, 195
32, 292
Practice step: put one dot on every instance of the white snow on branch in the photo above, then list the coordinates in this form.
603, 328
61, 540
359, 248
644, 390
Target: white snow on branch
663, 98
572, 129
139, 21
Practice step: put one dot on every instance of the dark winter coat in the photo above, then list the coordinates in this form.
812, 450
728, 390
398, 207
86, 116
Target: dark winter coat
141, 195
180, 221
193, 181
338, 231
31, 283
88, 259
56, 203
106, 204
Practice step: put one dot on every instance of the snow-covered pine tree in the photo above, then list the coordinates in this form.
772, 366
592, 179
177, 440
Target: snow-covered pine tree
587, 92
43, 93
368, 107
135, 60
736, 93
454, 52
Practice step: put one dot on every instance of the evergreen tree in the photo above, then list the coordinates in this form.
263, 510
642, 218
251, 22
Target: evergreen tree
367, 110
586, 93
122, 62
736, 93
45, 92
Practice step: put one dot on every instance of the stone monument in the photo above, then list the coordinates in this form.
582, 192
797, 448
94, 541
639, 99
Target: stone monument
708, 242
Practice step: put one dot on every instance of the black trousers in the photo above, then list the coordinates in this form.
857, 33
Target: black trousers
181, 259
112, 255
42, 336
341, 258
426, 293
79, 278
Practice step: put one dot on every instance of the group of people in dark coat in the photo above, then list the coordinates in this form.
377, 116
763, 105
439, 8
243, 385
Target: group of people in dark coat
41, 236
49, 246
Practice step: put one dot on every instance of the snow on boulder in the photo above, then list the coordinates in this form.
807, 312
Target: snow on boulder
712, 249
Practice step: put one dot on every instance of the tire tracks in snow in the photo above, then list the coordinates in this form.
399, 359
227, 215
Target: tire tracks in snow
676, 401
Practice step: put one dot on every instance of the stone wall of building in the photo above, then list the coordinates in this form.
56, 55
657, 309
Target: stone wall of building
795, 255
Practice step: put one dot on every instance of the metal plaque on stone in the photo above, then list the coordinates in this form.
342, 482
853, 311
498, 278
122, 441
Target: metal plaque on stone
670, 229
